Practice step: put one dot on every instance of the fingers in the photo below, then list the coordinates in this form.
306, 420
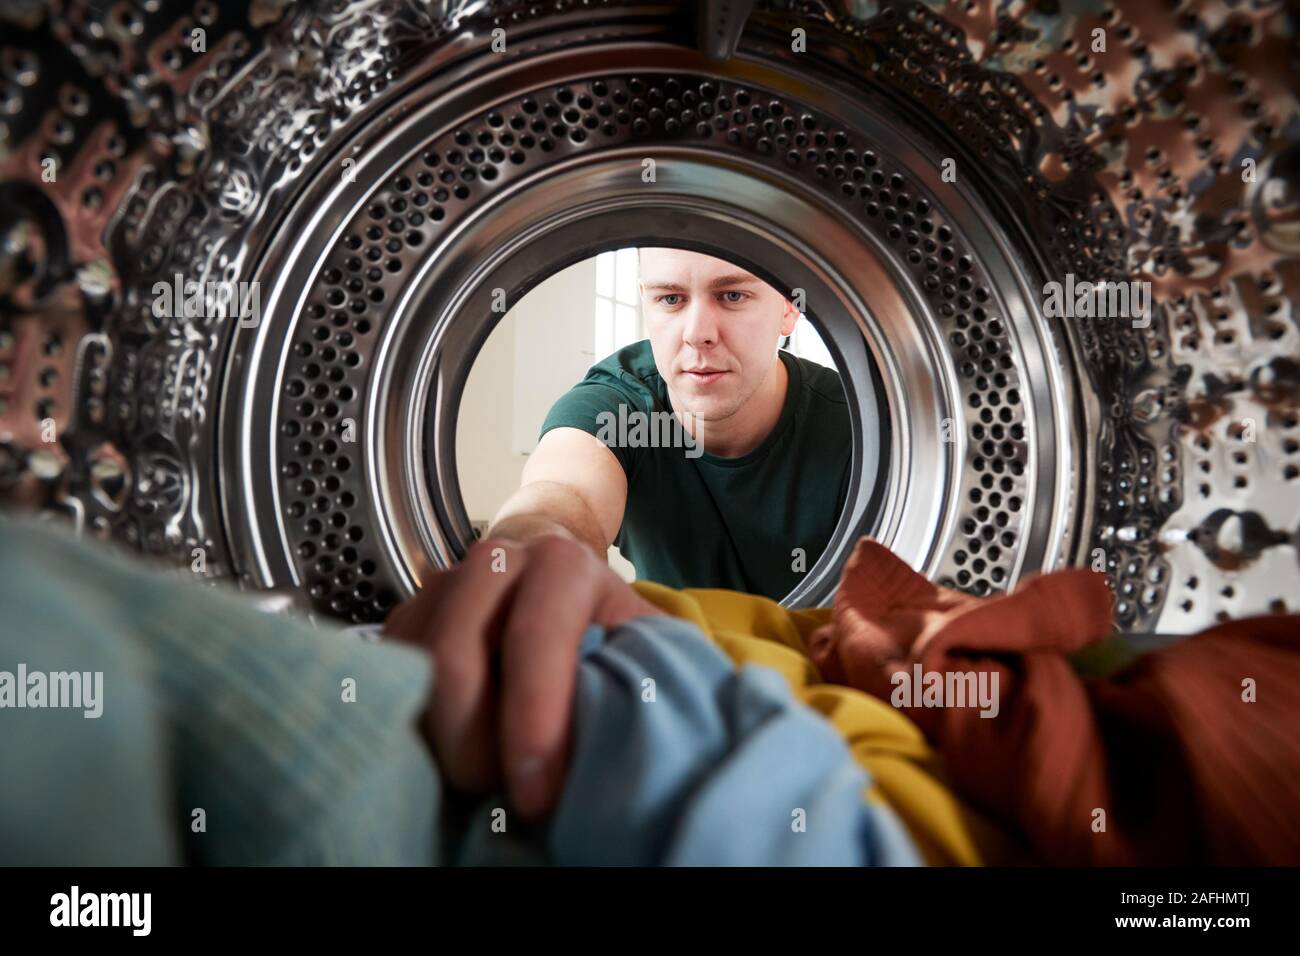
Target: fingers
504, 629
622, 603
404, 619
555, 603
460, 629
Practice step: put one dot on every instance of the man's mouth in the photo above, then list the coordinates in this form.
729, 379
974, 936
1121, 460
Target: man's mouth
705, 375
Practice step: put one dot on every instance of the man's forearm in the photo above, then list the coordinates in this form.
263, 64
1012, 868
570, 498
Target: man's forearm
548, 507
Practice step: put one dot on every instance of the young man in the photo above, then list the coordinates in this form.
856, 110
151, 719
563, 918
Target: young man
710, 457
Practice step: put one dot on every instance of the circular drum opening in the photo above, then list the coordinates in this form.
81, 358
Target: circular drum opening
592, 312
377, 312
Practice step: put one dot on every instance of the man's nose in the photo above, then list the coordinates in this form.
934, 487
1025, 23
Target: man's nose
700, 327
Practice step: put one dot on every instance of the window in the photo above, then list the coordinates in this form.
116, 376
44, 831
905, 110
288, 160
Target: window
618, 304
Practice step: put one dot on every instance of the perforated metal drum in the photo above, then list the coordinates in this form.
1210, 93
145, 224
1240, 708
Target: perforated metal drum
369, 173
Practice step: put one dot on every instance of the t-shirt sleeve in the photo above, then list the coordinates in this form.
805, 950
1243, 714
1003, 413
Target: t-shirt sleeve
593, 407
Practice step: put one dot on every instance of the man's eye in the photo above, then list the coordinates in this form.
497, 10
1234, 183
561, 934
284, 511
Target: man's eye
742, 297
672, 295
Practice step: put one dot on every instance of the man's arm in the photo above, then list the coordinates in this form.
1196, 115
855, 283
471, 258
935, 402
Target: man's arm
572, 485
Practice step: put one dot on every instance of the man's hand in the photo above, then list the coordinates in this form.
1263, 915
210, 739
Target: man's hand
504, 628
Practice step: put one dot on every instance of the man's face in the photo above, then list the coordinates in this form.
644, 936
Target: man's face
713, 327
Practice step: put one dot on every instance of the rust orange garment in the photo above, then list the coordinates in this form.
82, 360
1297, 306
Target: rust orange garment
1170, 755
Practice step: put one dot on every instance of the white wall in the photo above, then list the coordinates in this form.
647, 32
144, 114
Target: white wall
489, 468
554, 347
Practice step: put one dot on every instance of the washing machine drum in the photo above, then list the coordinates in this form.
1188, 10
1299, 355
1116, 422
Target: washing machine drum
251, 250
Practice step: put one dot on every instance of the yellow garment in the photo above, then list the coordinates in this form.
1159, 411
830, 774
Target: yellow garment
907, 774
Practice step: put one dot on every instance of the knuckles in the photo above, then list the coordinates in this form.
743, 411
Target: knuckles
560, 550
548, 550
499, 555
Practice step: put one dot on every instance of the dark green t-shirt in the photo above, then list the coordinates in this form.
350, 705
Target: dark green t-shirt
714, 522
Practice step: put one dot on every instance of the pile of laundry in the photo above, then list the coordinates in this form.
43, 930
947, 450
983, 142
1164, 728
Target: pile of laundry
1090, 752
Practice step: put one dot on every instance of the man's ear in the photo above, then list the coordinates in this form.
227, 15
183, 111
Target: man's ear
789, 318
